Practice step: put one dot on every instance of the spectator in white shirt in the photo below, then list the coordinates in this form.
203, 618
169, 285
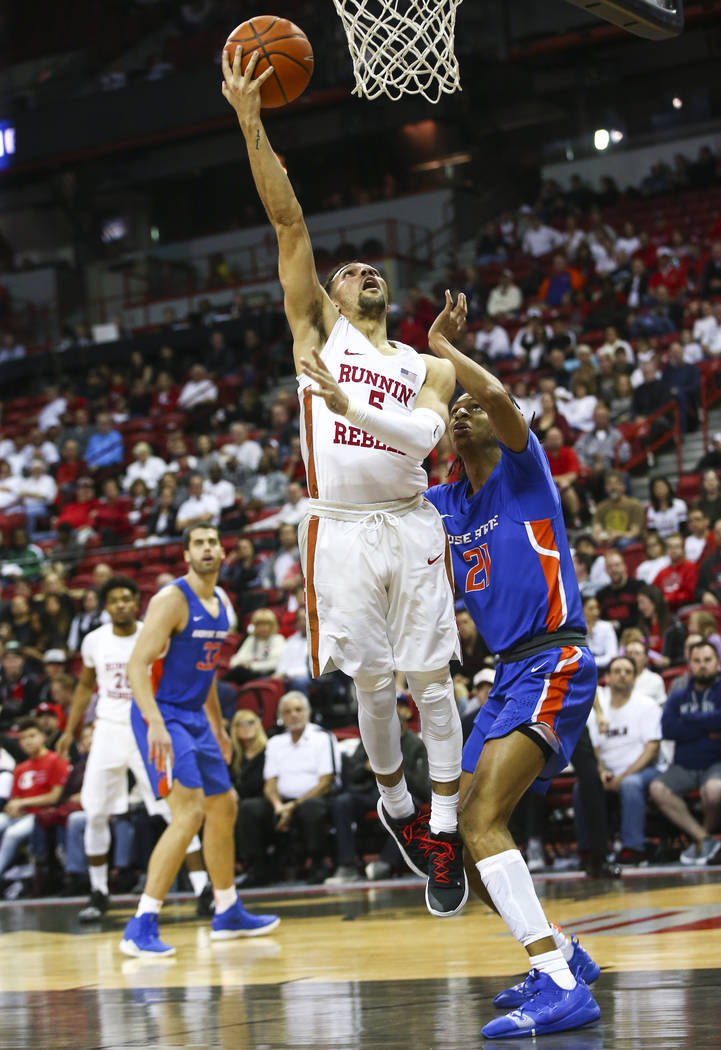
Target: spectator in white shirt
578, 410
492, 341
241, 452
146, 466
51, 414
612, 344
648, 682
198, 390
602, 640
625, 730
628, 242
698, 534
199, 506
293, 666
705, 327
572, 236
506, 298
220, 487
10, 501
38, 493
260, 650
292, 512
282, 569
539, 240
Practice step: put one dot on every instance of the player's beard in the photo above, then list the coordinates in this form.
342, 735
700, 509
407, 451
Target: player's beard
371, 307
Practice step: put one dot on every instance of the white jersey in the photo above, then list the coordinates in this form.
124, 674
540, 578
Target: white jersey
344, 464
107, 654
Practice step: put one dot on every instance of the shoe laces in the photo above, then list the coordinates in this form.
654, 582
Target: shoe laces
417, 834
444, 855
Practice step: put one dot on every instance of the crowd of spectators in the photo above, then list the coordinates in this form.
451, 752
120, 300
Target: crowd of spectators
593, 328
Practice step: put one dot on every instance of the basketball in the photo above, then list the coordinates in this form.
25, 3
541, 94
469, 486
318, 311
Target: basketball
283, 46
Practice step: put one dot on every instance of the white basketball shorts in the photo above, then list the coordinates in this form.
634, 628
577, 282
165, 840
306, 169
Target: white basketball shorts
379, 589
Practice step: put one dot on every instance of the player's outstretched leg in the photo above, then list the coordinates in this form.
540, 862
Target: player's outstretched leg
553, 998
230, 919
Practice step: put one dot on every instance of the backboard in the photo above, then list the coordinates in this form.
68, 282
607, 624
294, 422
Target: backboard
655, 19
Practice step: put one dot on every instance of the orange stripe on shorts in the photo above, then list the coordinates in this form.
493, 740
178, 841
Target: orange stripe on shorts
558, 682
310, 596
308, 417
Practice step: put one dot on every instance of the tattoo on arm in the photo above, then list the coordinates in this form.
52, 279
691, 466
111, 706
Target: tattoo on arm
257, 139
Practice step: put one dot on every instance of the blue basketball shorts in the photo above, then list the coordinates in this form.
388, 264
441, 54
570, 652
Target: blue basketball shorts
197, 759
554, 688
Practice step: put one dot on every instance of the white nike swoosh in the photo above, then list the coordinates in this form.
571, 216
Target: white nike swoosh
446, 515
540, 667
196, 618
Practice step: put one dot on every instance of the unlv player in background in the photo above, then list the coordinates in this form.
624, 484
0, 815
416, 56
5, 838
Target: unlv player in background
105, 653
178, 727
378, 595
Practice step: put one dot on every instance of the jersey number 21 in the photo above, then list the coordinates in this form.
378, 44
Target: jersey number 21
479, 572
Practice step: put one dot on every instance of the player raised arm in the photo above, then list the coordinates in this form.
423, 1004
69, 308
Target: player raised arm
311, 314
167, 612
508, 424
79, 705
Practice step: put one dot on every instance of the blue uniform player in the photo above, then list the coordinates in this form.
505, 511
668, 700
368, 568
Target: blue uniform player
512, 562
177, 723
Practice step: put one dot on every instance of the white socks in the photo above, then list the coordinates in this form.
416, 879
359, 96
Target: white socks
555, 966
224, 899
397, 801
444, 813
98, 874
198, 880
148, 904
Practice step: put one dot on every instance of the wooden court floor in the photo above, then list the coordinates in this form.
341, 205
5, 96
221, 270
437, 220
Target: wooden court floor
362, 968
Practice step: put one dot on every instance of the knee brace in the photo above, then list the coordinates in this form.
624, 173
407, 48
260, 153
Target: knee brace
440, 722
378, 722
96, 837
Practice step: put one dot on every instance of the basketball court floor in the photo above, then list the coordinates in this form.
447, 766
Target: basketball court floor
363, 967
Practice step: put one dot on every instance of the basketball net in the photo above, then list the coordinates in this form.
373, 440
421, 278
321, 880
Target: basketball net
401, 47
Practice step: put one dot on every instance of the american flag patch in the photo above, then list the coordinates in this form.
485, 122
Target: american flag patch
411, 375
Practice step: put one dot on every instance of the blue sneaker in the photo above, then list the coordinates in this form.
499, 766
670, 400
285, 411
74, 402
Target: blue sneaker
237, 922
547, 1008
142, 939
581, 965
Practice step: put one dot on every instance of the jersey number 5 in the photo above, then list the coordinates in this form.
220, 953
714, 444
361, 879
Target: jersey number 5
212, 652
479, 573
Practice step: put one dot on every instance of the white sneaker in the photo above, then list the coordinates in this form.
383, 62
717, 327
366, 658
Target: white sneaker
378, 869
343, 873
535, 857
703, 853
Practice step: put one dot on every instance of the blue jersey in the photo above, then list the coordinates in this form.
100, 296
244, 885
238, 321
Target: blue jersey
510, 552
184, 675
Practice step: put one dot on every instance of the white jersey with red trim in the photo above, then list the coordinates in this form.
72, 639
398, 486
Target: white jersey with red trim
107, 654
345, 464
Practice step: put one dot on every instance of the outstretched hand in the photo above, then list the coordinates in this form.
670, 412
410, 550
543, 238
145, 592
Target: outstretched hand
450, 321
240, 89
327, 388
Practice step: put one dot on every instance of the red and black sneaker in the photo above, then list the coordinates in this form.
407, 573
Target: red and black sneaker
447, 888
413, 838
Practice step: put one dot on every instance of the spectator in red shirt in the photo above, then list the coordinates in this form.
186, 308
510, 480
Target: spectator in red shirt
677, 581
79, 512
110, 517
37, 784
70, 467
165, 394
669, 274
565, 470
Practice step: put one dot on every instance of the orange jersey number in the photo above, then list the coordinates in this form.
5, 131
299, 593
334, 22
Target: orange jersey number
479, 573
212, 652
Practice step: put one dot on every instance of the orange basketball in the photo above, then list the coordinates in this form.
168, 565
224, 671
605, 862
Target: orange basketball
283, 46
